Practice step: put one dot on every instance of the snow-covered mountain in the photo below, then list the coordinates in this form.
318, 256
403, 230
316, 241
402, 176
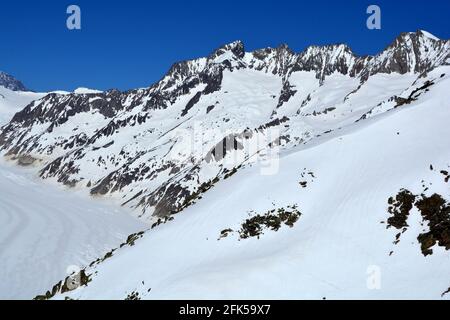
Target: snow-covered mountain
12, 102
52, 229
249, 144
9, 82
128, 144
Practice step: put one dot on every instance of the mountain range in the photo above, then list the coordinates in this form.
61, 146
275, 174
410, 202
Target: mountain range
264, 174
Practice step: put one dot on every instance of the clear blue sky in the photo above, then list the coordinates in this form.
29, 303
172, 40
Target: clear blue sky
129, 44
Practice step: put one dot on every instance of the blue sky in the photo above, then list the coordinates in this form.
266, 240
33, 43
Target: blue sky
129, 44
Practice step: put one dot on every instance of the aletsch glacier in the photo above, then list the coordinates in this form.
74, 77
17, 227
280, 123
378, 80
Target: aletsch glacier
44, 230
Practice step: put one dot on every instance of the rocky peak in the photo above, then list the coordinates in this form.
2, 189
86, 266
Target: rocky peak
272, 60
234, 49
414, 38
410, 52
325, 60
11, 83
281, 50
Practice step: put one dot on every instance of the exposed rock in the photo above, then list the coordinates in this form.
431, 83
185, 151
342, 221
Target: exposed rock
435, 211
71, 283
399, 208
25, 160
272, 220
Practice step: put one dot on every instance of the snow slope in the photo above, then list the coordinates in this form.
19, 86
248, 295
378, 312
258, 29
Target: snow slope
14, 101
44, 230
86, 91
338, 243
190, 153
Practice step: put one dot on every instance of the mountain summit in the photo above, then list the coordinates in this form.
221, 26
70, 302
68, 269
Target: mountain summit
11, 83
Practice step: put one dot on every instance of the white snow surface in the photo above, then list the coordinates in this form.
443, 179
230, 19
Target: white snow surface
339, 240
363, 138
14, 101
429, 35
44, 230
86, 91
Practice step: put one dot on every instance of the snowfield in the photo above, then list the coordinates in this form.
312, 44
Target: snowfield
44, 230
340, 241
14, 101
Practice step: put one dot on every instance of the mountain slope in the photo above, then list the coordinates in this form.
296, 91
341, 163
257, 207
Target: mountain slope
324, 174
12, 102
9, 82
157, 149
340, 241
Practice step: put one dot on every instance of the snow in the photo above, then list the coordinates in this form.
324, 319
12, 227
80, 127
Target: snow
338, 241
361, 145
14, 101
61, 92
86, 91
429, 35
44, 230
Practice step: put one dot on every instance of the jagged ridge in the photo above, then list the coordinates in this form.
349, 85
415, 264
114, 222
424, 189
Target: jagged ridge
129, 142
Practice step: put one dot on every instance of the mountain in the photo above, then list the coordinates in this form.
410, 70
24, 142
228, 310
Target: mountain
128, 144
77, 229
9, 82
13, 97
359, 213
315, 170
12, 102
